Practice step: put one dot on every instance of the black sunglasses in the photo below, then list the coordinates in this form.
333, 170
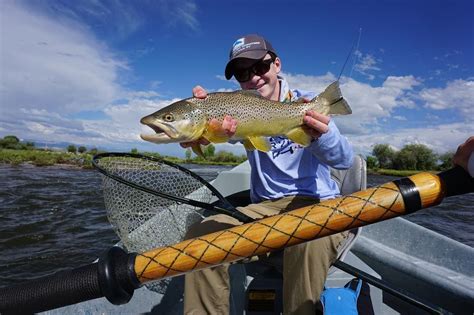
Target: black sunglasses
260, 68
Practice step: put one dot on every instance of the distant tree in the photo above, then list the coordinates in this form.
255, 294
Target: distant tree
446, 161
71, 148
415, 157
188, 154
11, 139
372, 162
384, 154
81, 149
93, 151
10, 142
404, 160
30, 145
209, 150
134, 151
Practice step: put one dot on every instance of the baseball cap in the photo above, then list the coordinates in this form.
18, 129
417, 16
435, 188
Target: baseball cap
251, 46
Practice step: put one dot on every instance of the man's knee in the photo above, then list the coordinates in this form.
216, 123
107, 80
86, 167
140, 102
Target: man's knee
211, 224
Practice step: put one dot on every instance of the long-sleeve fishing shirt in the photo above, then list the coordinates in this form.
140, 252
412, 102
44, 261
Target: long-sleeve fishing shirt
290, 169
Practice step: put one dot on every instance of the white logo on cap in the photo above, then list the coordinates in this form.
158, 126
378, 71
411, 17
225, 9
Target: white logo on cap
240, 45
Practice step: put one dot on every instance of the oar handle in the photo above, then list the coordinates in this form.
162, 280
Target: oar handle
457, 181
111, 277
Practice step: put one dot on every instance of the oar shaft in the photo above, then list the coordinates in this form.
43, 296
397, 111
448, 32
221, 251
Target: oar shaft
291, 228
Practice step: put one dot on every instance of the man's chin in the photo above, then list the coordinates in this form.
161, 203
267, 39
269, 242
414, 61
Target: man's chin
263, 90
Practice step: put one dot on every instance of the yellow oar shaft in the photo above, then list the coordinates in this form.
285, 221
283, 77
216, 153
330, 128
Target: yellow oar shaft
294, 227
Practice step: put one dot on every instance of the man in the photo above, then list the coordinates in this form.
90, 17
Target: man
287, 177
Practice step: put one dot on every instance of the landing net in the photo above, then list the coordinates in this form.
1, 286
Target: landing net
140, 216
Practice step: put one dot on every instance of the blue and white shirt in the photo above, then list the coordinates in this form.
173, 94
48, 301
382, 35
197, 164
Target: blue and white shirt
290, 169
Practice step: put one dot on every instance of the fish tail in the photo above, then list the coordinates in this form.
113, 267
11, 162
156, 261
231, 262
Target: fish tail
332, 99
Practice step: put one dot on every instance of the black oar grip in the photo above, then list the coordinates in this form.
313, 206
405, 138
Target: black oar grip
457, 181
110, 277
59, 289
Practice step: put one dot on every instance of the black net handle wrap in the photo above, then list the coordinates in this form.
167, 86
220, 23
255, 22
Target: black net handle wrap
113, 277
225, 207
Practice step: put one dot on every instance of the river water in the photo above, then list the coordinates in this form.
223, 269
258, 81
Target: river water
53, 218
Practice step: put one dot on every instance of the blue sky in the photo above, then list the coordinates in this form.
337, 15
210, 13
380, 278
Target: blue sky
84, 72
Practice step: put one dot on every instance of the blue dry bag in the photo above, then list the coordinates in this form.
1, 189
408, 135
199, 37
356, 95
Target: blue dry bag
341, 301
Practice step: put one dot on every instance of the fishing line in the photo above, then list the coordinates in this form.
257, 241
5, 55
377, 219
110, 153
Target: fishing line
357, 56
350, 54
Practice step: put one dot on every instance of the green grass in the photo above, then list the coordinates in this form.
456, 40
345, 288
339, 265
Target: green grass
45, 158
400, 173
84, 160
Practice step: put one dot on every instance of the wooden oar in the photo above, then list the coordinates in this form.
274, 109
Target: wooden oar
118, 274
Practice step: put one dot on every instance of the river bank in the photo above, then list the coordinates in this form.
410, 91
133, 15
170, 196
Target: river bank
84, 160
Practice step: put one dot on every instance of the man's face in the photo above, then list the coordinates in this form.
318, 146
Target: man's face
267, 83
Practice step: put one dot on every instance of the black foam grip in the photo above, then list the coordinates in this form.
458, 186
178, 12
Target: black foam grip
113, 277
457, 181
59, 289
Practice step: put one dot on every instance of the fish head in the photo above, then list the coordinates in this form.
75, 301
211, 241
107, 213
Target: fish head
181, 121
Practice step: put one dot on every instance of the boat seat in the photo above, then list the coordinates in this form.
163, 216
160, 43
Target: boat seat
351, 180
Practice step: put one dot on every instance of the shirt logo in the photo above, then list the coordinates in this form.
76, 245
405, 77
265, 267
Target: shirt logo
281, 145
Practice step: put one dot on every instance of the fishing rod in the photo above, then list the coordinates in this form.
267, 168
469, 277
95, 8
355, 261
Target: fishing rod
117, 274
351, 51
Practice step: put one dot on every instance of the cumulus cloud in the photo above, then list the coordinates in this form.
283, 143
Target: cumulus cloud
440, 139
369, 103
458, 94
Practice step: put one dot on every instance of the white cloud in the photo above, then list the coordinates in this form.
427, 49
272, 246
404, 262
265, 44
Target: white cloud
441, 139
366, 64
368, 103
53, 66
187, 14
458, 94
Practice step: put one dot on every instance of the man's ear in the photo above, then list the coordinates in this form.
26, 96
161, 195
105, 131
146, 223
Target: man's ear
277, 64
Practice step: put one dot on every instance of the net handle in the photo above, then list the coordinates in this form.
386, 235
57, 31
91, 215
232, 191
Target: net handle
226, 208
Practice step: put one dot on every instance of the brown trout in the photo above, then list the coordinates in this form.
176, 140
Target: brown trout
257, 118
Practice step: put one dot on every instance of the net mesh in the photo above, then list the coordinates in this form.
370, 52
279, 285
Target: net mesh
143, 220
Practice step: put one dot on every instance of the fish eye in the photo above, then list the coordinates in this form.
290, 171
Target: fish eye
168, 117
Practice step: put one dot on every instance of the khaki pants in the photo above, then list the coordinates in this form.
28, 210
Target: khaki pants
305, 266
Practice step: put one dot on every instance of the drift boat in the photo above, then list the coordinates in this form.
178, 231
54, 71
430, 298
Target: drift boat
411, 270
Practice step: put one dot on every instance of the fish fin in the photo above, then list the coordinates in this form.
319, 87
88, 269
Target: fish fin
197, 149
248, 145
332, 98
216, 137
260, 143
298, 135
215, 133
